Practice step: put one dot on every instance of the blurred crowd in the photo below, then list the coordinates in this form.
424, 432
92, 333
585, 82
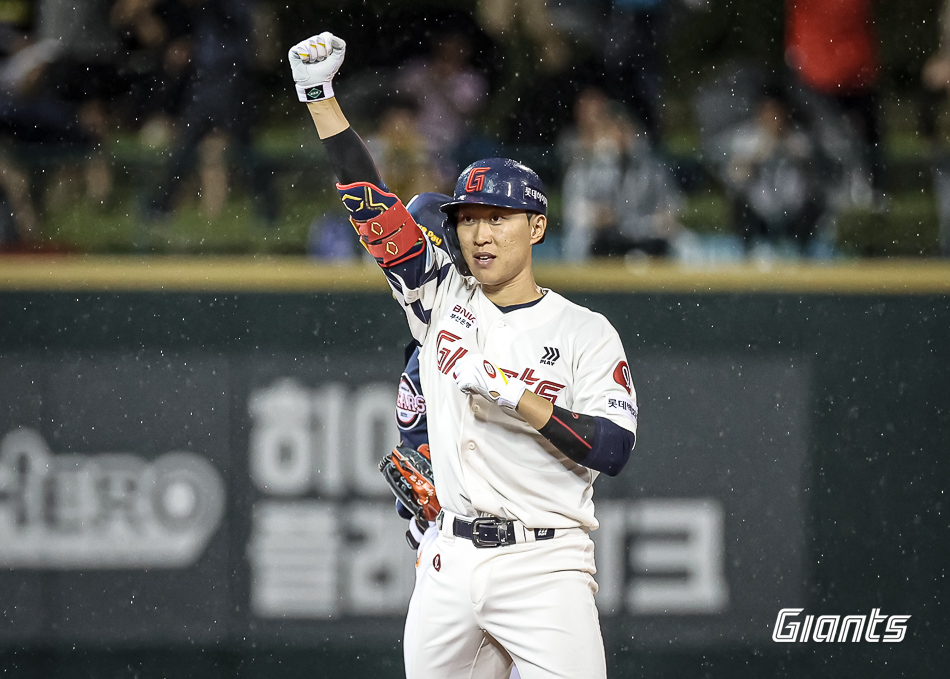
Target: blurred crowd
176, 73
574, 88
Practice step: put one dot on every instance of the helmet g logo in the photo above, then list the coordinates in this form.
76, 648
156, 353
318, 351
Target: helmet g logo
476, 179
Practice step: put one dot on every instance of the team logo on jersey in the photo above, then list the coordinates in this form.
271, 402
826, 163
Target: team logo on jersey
437, 562
543, 388
448, 355
622, 377
476, 179
551, 354
410, 404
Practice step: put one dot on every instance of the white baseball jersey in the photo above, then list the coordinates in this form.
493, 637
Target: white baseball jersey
487, 460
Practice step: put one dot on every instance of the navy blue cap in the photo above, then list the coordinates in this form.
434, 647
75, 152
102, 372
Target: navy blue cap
501, 182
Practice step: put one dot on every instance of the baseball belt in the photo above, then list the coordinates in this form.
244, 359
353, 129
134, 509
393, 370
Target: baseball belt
491, 531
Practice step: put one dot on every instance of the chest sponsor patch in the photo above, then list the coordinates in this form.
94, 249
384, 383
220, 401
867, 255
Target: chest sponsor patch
463, 317
621, 406
410, 404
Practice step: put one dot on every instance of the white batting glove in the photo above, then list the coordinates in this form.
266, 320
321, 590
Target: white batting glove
313, 63
474, 374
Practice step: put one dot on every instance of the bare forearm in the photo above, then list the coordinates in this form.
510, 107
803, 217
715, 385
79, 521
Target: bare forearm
327, 117
535, 410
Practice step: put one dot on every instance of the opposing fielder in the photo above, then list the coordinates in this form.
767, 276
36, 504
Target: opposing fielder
529, 397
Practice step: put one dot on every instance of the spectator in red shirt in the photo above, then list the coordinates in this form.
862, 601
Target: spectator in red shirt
832, 50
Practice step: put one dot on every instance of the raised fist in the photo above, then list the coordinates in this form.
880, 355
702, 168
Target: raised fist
313, 63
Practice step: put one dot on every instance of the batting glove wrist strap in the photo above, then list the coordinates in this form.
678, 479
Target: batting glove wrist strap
313, 63
474, 374
317, 92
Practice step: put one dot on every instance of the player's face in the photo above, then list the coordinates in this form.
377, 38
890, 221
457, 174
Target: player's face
496, 241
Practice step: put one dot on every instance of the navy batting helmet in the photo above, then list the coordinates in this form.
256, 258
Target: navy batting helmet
501, 182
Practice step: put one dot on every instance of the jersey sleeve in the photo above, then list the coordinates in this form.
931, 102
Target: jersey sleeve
602, 382
415, 268
420, 285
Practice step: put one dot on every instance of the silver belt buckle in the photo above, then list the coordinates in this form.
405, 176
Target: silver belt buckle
501, 532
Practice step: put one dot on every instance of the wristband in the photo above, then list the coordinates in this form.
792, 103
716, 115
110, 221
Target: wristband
317, 92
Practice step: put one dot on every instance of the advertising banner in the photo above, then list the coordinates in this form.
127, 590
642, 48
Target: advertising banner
196, 473
191, 497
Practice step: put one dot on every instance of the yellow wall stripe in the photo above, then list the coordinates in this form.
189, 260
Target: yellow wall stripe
297, 274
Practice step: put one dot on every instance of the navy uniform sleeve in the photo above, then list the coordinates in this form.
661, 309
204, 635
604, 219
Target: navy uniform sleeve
411, 405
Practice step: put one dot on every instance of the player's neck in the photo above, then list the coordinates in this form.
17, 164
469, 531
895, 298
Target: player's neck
518, 290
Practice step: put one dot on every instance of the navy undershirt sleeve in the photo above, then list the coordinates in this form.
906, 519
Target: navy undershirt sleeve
351, 160
590, 440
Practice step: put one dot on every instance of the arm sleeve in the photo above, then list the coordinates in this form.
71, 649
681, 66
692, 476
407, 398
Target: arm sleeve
590, 440
351, 160
416, 280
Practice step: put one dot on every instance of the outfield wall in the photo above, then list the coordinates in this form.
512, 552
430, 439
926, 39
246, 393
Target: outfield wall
188, 484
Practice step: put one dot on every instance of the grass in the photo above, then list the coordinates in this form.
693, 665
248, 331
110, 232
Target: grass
236, 229
117, 228
906, 227
72, 222
707, 211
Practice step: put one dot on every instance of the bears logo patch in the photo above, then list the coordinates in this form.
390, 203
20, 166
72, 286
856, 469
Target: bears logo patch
410, 404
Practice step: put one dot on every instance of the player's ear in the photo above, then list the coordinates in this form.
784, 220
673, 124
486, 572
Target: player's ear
539, 225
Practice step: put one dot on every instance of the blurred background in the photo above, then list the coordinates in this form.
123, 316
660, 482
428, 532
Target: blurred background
198, 369
687, 129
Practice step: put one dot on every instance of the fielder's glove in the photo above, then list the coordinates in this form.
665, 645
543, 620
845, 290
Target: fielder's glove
474, 374
313, 63
409, 474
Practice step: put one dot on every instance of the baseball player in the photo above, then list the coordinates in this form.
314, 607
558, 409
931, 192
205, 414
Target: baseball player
528, 399
413, 488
